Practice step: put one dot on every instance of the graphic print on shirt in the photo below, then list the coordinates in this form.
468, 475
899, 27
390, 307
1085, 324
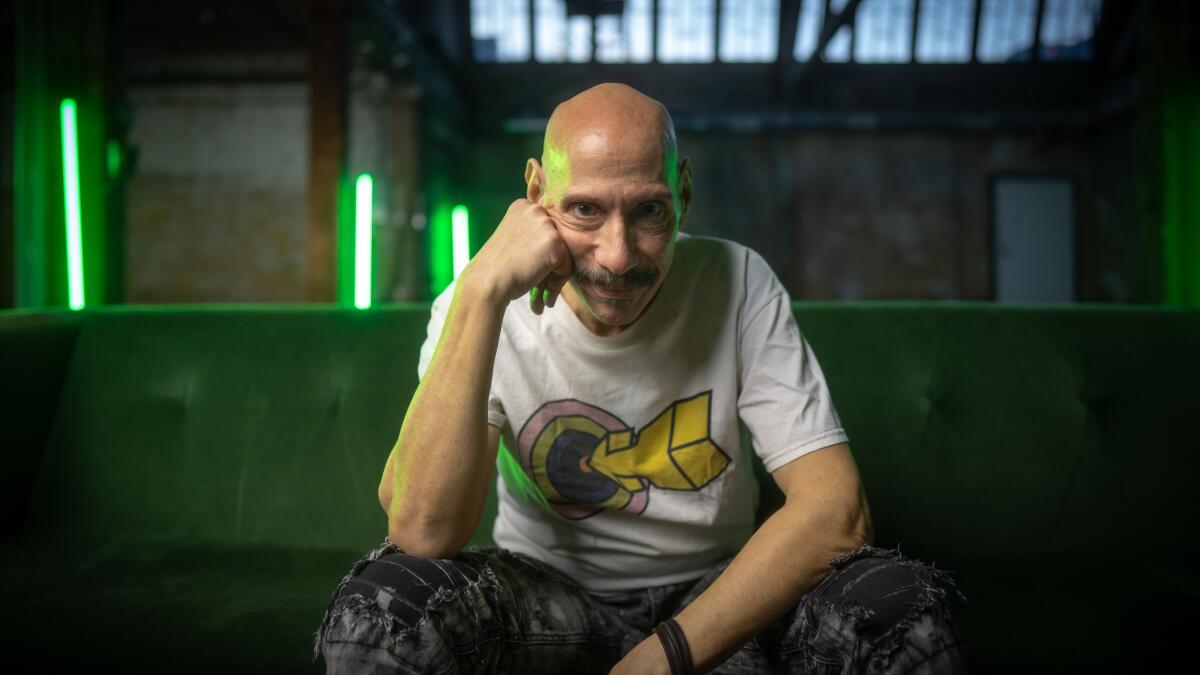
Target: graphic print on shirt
585, 459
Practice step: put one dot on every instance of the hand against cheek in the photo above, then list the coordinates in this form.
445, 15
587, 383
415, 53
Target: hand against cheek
524, 255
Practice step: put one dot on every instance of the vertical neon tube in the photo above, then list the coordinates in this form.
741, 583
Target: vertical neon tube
362, 241
71, 208
462, 238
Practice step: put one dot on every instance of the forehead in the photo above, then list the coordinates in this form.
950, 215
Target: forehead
599, 160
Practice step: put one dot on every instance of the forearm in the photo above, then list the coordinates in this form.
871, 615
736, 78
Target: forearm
435, 483
787, 556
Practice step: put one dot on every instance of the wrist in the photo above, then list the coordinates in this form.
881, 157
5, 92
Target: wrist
476, 289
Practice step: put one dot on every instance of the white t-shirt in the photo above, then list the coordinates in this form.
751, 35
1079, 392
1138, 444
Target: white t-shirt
634, 437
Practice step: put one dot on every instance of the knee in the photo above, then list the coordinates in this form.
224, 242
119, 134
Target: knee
383, 605
899, 605
890, 589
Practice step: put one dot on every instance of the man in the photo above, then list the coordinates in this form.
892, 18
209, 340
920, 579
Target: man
626, 532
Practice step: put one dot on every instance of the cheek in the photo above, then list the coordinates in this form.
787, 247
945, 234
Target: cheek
577, 243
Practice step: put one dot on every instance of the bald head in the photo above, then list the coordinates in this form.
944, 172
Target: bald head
612, 128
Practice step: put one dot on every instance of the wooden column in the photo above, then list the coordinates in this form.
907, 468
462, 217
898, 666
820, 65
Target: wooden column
326, 143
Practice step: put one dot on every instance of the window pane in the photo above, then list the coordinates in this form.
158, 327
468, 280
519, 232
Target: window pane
550, 26
749, 30
1067, 27
685, 31
622, 38
1006, 30
808, 29
579, 38
944, 31
838, 49
883, 31
500, 30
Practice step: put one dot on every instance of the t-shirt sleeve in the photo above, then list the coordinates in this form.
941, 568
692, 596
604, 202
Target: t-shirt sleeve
782, 395
437, 318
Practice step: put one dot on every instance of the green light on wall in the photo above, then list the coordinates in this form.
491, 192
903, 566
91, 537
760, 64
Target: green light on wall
113, 157
362, 241
461, 226
74, 218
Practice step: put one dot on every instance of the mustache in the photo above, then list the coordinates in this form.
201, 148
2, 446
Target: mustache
634, 278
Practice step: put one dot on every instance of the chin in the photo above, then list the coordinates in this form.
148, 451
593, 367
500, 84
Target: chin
615, 312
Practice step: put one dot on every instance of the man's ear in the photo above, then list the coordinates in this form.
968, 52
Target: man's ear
534, 181
685, 190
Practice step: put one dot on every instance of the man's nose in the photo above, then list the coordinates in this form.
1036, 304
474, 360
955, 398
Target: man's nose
615, 248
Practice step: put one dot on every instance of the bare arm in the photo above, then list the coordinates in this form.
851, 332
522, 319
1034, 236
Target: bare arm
825, 515
435, 482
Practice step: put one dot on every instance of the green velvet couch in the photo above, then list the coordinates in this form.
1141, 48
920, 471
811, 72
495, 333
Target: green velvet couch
183, 487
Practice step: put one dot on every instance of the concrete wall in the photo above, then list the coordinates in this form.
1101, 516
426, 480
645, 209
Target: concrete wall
886, 215
216, 202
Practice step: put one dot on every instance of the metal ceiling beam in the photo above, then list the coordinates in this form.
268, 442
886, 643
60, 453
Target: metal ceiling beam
830, 25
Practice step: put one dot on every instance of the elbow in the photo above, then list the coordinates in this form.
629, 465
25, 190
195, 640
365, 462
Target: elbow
426, 537
857, 529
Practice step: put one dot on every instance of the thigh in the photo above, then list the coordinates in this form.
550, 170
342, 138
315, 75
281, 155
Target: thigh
483, 610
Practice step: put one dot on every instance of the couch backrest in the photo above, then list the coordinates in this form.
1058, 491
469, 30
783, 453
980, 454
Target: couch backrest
978, 428
259, 425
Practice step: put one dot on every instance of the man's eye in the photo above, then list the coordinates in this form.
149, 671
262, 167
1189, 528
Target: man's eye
583, 210
653, 209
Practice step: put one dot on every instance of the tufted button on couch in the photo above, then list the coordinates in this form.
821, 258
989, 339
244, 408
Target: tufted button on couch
182, 488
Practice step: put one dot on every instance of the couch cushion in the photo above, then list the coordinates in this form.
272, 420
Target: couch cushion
34, 352
1130, 612
143, 605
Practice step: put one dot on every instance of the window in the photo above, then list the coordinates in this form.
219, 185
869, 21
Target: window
685, 31
749, 30
809, 29
1067, 27
500, 30
1006, 30
838, 49
944, 31
883, 31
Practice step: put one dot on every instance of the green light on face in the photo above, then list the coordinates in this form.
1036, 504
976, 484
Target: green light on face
362, 241
460, 223
74, 219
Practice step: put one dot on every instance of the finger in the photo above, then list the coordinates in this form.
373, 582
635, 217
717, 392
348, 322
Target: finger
536, 303
555, 286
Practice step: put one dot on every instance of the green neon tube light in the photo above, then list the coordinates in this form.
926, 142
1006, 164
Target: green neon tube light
460, 223
362, 240
74, 219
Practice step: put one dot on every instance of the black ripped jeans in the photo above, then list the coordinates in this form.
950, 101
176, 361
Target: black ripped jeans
491, 610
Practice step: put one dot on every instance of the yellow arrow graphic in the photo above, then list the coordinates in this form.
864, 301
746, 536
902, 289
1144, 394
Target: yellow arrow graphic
673, 452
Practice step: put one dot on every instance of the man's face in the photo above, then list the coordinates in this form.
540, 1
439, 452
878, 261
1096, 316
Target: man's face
617, 214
